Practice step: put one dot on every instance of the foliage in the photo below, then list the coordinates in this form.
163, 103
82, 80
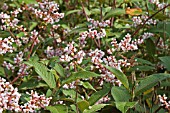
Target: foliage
85, 56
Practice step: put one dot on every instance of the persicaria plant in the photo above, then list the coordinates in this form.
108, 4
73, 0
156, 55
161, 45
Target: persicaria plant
84, 56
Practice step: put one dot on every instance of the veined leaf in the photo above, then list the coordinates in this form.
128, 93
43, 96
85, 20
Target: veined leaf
43, 72
95, 108
28, 1
119, 92
119, 75
98, 95
114, 12
124, 106
79, 75
82, 105
72, 11
59, 69
166, 61
149, 82
57, 109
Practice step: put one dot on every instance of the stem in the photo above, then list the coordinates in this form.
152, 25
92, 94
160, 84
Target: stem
149, 19
84, 11
30, 52
101, 15
113, 7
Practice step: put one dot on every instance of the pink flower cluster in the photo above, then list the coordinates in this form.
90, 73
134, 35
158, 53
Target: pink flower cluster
158, 4
104, 99
6, 45
9, 99
96, 23
127, 44
46, 10
164, 101
36, 102
139, 20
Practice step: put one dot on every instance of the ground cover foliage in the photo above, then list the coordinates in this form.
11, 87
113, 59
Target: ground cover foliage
85, 56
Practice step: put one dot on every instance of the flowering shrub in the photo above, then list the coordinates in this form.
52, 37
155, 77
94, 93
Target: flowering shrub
95, 56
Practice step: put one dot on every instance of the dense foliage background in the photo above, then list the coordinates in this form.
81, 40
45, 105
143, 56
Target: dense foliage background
85, 56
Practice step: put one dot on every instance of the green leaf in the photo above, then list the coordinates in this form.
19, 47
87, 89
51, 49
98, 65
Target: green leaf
124, 106
166, 61
95, 108
82, 105
28, 1
32, 26
32, 84
150, 46
143, 61
142, 68
72, 94
98, 95
119, 75
57, 109
114, 12
87, 85
79, 75
59, 69
43, 72
119, 92
149, 82
72, 11
21, 34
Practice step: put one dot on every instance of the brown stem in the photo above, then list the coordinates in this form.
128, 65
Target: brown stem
84, 11
113, 7
149, 19
30, 52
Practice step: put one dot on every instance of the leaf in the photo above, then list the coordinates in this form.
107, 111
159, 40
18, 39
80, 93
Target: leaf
149, 82
28, 1
124, 106
120, 76
82, 105
166, 61
42, 71
114, 12
142, 68
98, 95
150, 47
32, 84
72, 94
32, 26
143, 61
87, 85
95, 108
119, 92
21, 34
80, 75
57, 109
72, 11
59, 69
134, 11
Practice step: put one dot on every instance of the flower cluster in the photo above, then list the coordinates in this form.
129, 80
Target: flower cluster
96, 23
125, 45
158, 4
36, 102
46, 10
139, 20
71, 85
164, 101
9, 97
104, 99
6, 45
